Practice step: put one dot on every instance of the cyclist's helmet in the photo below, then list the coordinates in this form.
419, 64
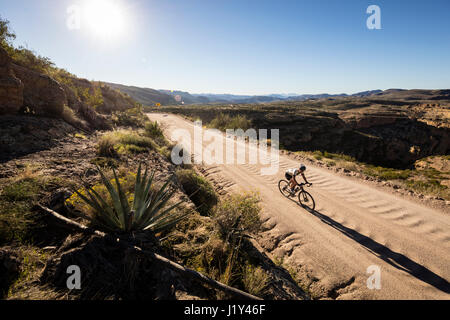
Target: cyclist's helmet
302, 167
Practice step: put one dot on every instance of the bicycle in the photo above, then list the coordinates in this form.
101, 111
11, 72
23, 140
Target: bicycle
305, 198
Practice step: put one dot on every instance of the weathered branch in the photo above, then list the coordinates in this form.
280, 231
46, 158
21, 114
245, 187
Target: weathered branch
192, 274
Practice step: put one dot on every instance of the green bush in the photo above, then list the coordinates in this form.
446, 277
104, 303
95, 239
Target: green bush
115, 143
238, 214
255, 280
18, 221
198, 189
106, 146
431, 187
136, 140
154, 131
93, 99
6, 35
387, 173
225, 122
29, 59
130, 118
26, 189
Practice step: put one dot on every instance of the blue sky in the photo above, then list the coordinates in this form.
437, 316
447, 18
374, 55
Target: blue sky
248, 46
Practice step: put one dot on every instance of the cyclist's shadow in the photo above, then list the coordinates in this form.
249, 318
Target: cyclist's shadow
395, 259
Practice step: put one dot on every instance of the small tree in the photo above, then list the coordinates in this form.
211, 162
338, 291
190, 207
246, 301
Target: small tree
6, 35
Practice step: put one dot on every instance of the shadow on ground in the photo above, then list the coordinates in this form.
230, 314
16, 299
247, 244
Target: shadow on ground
395, 259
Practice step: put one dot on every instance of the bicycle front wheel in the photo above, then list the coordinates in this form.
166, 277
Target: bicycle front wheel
283, 185
306, 200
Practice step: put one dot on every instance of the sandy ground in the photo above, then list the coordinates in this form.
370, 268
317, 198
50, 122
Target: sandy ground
355, 226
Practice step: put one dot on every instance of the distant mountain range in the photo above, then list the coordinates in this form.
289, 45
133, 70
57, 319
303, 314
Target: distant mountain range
146, 96
189, 98
150, 97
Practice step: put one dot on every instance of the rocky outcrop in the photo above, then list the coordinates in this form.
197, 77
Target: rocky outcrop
24, 89
41, 93
11, 88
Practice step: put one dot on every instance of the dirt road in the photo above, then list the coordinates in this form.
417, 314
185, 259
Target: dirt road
354, 226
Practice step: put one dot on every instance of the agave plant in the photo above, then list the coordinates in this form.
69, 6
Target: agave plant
148, 212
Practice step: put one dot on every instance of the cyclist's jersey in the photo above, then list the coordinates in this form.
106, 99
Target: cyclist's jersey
293, 172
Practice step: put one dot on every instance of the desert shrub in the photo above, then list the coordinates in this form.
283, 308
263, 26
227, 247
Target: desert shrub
318, 155
32, 261
105, 162
235, 217
6, 35
351, 166
115, 143
154, 131
130, 118
198, 189
255, 280
130, 138
106, 146
212, 258
430, 187
387, 173
69, 116
31, 60
238, 214
327, 155
166, 151
93, 98
331, 163
224, 122
26, 189
18, 220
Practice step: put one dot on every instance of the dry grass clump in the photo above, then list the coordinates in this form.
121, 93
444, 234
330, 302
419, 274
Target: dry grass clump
238, 214
18, 195
198, 189
225, 122
255, 280
69, 116
114, 143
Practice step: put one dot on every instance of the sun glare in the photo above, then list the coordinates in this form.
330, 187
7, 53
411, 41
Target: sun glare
105, 18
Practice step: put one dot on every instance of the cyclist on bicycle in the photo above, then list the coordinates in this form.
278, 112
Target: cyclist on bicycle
292, 173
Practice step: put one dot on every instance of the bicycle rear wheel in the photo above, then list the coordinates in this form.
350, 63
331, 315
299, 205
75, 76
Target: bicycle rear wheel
283, 185
306, 200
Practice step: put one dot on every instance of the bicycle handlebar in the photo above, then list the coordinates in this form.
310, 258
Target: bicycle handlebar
305, 184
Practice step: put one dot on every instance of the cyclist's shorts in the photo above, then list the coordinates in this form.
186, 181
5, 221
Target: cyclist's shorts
288, 176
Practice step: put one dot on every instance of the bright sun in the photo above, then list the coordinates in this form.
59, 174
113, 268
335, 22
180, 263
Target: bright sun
105, 18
